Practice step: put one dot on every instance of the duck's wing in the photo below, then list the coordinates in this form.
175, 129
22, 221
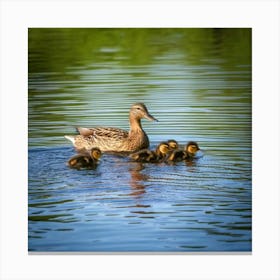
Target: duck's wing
103, 132
84, 131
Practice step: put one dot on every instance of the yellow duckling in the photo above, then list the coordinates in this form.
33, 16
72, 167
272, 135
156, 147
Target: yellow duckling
109, 139
173, 144
85, 160
188, 153
162, 150
146, 155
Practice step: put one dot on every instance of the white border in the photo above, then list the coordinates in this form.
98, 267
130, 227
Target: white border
17, 16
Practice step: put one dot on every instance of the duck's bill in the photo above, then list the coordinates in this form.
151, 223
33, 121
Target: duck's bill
151, 118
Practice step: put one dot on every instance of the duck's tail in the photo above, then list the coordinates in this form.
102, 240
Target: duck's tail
71, 138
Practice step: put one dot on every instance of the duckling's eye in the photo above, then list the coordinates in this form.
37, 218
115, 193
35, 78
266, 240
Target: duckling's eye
138, 108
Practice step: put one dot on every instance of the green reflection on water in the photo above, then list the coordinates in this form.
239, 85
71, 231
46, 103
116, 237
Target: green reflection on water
56, 49
197, 81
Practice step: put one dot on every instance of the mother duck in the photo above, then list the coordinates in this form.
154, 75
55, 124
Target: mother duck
109, 139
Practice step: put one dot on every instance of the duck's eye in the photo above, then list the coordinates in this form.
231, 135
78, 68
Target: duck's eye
138, 108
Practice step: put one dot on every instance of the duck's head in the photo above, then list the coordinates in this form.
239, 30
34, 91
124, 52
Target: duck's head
173, 144
95, 153
162, 148
140, 111
191, 148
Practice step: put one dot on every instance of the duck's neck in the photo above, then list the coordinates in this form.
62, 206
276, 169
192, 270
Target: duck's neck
135, 124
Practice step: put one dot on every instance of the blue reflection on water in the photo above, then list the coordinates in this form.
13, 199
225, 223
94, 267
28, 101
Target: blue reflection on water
126, 206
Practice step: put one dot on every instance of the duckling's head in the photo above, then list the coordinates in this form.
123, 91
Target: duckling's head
139, 111
173, 144
162, 148
191, 148
95, 153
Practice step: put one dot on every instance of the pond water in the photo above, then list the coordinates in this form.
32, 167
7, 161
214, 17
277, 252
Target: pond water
197, 83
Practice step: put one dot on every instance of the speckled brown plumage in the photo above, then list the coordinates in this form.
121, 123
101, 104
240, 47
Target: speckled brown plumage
109, 139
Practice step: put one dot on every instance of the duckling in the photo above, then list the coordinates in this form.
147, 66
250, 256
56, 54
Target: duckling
173, 144
162, 150
188, 153
85, 160
191, 149
146, 155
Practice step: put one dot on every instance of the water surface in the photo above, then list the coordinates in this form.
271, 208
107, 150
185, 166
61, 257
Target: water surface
197, 82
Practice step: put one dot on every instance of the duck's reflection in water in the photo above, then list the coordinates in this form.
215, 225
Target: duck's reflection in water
137, 179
